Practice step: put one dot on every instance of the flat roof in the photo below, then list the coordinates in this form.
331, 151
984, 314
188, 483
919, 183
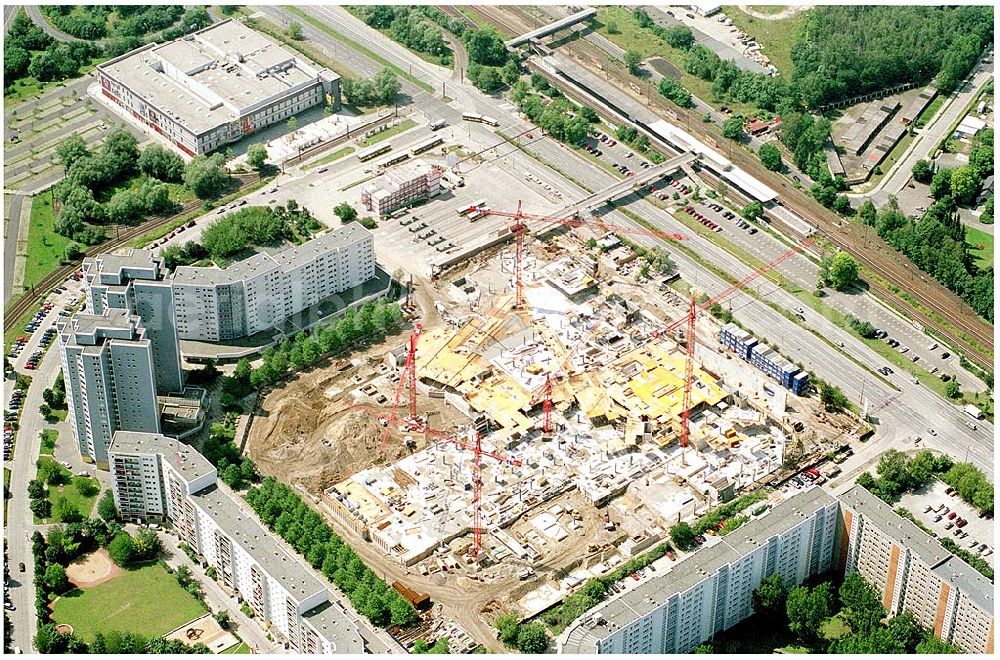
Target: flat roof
332, 622
244, 529
584, 634
285, 260
213, 76
946, 565
181, 457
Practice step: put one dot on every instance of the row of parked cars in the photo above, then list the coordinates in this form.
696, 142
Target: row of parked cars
190, 224
10, 416
697, 215
953, 522
729, 215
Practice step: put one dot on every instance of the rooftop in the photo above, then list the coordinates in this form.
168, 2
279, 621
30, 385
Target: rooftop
946, 565
284, 261
293, 576
94, 330
583, 635
213, 76
182, 458
109, 268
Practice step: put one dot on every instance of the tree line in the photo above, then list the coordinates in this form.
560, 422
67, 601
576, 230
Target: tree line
410, 26
29, 51
551, 111
305, 349
936, 244
118, 184
898, 474
971, 485
284, 512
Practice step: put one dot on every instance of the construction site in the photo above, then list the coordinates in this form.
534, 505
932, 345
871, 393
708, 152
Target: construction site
554, 412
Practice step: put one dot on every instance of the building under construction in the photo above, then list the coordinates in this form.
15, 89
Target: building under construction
578, 391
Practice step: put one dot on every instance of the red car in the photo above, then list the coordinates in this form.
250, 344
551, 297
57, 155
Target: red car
961, 522
951, 516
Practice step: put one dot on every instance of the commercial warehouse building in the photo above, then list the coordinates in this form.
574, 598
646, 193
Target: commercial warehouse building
763, 357
215, 86
218, 304
400, 186
914, 572
138, 281
157, 478
107, 361
710, 591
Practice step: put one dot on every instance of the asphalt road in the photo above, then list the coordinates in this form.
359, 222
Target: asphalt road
9, 12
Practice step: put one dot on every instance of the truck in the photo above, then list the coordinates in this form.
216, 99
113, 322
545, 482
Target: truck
973, 411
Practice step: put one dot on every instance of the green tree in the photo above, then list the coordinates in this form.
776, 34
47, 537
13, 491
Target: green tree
256, 156
682, 535
842, 272
161, 163
387, 86
486, 46
832, 398
861, 607
65, 511
923, 172
867, 212
122, 549
510, 73
941, 183
906, 631
294, 31
72, 149
632, 60
532, 638
952, 389
770, 157
752, 211
507, 626
931, 645
769, 597
680, 36
964, 184
55, 578
807, 610
732, 128
345, 212
148, 544
106, 506
206, 176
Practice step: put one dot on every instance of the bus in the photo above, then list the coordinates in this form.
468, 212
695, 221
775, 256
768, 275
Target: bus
481, 119
373, 152
477, 214
426, 145
392, 160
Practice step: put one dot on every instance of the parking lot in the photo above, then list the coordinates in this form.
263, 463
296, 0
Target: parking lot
976, 532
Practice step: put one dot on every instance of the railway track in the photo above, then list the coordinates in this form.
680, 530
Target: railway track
886, 263
43, 286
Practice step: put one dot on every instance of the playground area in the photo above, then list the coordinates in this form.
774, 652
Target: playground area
207, 631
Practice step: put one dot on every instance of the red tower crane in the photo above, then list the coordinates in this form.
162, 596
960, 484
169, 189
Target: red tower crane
519, 229
693, 311
407, 377
478, 453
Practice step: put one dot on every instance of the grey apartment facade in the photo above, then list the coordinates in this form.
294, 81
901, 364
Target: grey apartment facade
213, 304
138, 282
107, 361
215, 86
158, 478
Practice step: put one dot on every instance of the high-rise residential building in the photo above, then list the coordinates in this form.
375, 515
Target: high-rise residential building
215, 86
676, 609
139, 282
108, 366
401, 185
912, 571
256, 294
155, 478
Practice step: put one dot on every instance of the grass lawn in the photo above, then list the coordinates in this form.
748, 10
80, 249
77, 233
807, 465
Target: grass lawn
930, 111
329, 158
393, 131
242, 647
775, 37
976, 238
320, 25
46, 248
27, 88
69, 490
49, 437
631, 36
145, 600
834, 627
